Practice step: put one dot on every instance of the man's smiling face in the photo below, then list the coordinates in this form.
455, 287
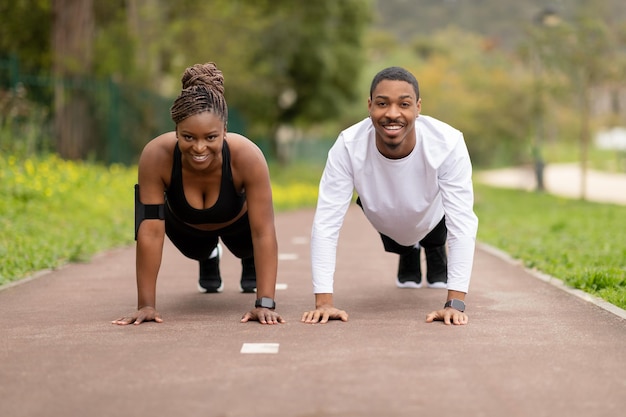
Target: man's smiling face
393, 109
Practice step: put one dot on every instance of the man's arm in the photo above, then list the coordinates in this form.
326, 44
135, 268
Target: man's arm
335, 194
455, 182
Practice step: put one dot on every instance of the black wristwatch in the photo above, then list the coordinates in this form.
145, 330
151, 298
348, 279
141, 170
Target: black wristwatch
265, 302
455, 304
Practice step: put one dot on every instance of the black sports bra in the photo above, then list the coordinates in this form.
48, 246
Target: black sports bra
228, 204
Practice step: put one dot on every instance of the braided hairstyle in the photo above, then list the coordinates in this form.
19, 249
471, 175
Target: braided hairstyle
203, 90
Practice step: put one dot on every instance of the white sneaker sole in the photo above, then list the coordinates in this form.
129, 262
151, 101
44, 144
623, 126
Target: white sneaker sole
203, 290
408, 284
438, 285
221, 287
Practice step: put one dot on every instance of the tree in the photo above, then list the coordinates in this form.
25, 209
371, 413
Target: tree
25, 33
72, 34
311, 54
286, 63
475, 86
582, 49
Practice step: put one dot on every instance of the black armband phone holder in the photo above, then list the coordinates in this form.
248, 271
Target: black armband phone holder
146, 211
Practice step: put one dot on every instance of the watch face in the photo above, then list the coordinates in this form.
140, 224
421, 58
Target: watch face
265, 302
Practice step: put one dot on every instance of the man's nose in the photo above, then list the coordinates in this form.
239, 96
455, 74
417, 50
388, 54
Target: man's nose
393, 111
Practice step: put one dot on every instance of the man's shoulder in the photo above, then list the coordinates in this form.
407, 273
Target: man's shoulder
438, 139
358, 131
437, 127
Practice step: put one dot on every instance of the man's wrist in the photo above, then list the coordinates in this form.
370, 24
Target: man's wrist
323, 299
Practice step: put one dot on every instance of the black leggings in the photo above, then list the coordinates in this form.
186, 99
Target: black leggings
198, 244
435, 238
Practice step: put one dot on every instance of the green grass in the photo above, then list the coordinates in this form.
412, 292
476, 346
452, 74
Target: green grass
582, 243
54, 211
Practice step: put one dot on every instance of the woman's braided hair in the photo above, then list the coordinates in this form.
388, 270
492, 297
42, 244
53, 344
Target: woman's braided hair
203, 90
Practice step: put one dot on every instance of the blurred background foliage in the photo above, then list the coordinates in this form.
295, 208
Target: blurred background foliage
93, 79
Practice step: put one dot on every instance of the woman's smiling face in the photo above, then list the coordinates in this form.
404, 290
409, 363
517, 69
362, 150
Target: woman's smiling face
200, 139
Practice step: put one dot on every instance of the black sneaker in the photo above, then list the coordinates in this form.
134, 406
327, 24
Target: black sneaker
248, 275
409, 273
210, 279
436, 267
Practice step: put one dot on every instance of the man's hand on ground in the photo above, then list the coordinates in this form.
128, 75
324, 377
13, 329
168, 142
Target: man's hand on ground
324, 313
448, 316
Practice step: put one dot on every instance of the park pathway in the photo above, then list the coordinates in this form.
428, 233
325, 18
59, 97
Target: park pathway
530, 348
563, 180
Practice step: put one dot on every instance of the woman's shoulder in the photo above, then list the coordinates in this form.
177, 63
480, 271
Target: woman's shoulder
158, 153
244, 153
160, 146
241, 147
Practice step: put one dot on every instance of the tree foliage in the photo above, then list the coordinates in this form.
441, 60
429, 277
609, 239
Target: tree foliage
479, 89
302, 63
25, 32
285, 62
587, 52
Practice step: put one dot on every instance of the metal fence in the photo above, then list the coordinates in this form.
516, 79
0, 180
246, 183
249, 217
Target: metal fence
124, 117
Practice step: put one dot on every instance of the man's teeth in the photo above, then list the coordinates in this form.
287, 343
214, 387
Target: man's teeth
394, 127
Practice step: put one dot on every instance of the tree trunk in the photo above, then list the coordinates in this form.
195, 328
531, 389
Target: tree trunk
72, 37
585, 137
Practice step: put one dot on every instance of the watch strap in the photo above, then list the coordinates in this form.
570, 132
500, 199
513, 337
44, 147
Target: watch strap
455, 304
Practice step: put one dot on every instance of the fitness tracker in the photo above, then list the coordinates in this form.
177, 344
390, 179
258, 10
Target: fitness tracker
455, 304
265, 302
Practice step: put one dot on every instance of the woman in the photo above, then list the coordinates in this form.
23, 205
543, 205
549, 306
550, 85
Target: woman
200, 183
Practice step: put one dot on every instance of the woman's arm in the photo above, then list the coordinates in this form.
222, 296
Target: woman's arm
249, 164
151, 233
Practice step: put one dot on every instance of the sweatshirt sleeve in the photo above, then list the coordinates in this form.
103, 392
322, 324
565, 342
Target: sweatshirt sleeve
335, 194
455, 183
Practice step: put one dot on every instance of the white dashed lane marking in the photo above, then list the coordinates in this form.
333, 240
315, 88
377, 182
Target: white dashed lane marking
259, 348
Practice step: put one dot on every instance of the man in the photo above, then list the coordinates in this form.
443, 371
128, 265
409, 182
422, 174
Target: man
412, 174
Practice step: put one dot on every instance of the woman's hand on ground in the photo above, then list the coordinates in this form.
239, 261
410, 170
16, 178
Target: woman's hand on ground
263, 316
142, 315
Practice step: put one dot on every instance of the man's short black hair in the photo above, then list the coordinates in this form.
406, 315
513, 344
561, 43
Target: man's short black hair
396, 74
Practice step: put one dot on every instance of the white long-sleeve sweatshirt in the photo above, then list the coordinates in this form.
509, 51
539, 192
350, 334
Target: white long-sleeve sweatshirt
402, 198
